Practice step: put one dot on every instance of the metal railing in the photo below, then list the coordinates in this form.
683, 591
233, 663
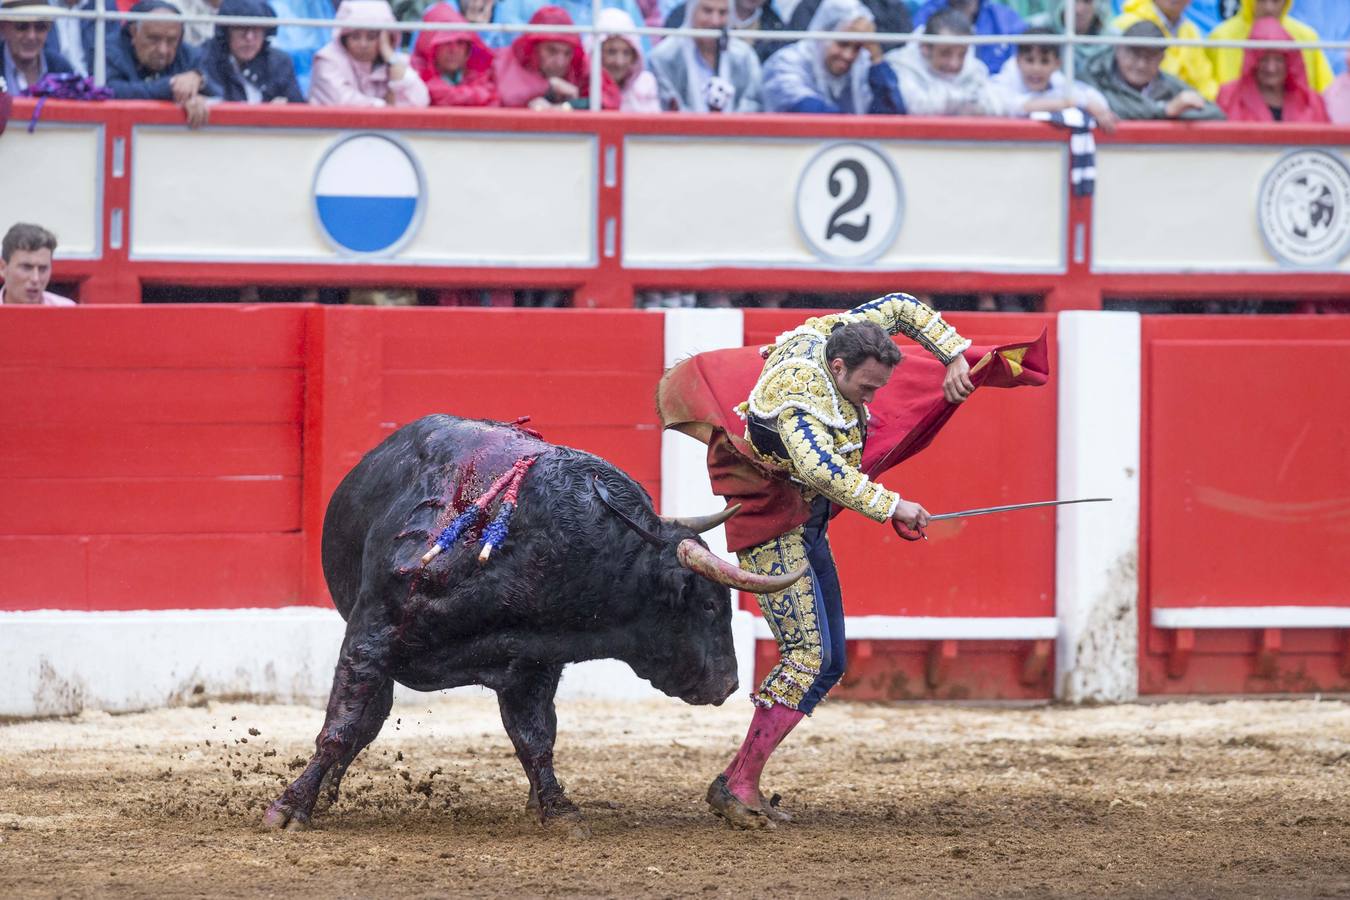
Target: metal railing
101, 17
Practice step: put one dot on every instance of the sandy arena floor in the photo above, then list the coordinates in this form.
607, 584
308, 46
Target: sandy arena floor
1233, 799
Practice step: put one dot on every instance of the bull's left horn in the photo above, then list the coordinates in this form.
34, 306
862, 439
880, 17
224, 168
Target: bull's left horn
700, 524
698, 558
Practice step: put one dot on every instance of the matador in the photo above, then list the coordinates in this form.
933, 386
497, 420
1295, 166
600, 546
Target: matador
806, 420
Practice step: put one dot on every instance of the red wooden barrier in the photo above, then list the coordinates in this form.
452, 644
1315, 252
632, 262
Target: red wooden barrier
1246, 450
168, 457
1001, 449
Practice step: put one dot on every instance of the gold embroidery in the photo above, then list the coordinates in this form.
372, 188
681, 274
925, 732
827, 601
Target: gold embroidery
791, 615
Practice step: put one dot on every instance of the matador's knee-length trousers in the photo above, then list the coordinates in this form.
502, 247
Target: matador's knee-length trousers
807, 619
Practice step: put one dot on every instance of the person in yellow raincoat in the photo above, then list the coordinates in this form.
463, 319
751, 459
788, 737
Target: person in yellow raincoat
1191, 64
1227, 61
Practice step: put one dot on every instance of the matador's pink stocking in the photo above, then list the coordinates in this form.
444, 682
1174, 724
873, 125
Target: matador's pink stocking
767, 730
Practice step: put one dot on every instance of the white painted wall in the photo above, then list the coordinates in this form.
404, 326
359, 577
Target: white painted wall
1097, 544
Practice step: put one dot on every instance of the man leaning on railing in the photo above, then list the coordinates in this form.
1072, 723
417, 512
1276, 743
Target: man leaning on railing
149, 61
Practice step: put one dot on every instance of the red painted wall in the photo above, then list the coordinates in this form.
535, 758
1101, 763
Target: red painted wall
999, 449
170, 457
1246, 454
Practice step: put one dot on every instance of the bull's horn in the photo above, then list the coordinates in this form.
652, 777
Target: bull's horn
700, 524
698, 558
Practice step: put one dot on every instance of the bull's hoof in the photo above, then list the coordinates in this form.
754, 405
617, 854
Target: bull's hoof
731, 810
775, 813
281, 816
563, 814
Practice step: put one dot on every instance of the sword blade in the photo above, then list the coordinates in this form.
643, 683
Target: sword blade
986, 510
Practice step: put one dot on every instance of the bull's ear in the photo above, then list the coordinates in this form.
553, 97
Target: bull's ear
603, 493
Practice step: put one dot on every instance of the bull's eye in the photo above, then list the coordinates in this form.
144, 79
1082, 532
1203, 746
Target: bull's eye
709, 606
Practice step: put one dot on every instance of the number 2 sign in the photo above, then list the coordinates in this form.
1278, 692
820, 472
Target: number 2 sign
850, 203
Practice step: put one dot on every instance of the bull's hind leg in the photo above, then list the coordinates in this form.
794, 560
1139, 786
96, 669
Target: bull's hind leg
526, 703
357, 707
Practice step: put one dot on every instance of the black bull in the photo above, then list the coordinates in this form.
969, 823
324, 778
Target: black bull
573, 582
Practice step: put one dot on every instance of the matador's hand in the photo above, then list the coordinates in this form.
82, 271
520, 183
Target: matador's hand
909, 520
957, 386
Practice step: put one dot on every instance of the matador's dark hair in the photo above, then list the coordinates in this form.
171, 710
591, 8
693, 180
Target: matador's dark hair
859, 341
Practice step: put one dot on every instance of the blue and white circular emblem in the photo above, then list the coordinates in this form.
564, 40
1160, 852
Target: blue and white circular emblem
368, 194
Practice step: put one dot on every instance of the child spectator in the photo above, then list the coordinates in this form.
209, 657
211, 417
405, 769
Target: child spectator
26, 267
1190, 64
545, 71
700, 75
1337, 97
1089, 17
478, 12
1132, 80
360, 67
26, 52
621, 56
985, 17
149, 61
1273, 86
241, 64
1229, 62
1034, 83
820, 76
456, 65
946, 79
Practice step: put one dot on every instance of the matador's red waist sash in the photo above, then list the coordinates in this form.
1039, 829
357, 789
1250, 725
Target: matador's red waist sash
699, 395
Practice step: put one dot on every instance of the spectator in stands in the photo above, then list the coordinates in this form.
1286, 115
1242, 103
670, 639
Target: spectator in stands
1229, 62
1089, 17
1337, 98
621, 56
985, 17
196, 34
360, 67
26, 267
578, 11
1034, 83
479, 11
888, 16
25, 52
1190, 64
149, 61
820, 76
544, 71
242, 66
702, 75
456, 65
1134, 84
1274, 85
747, 15
946, 79
301, 44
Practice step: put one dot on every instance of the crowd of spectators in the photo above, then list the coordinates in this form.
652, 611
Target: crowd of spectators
194, 64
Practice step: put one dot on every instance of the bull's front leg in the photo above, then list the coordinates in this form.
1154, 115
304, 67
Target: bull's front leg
526, 703
357, 707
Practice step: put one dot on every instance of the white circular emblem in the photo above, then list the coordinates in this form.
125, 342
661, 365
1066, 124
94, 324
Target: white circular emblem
849, 203
369, 194
1304, 209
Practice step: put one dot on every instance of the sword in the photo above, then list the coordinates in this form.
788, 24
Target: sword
986, 510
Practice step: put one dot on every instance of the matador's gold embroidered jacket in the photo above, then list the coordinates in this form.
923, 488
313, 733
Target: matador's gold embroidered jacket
797, 420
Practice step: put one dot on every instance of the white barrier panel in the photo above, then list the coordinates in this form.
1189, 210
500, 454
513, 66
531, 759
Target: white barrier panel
1097, 544
54, 177
1220, 208
302, 195
63, 662
699, 202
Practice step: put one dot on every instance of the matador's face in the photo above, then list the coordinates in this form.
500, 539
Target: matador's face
860, 384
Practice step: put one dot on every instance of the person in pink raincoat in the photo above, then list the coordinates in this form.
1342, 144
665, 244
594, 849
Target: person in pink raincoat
360, 67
